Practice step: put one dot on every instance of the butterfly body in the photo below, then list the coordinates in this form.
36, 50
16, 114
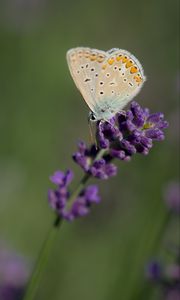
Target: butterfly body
106, 80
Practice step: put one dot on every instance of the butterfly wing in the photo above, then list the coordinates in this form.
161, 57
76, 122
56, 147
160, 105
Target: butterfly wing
106, 80
85, 65
120, 79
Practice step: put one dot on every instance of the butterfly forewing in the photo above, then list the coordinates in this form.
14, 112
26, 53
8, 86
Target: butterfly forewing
85, 65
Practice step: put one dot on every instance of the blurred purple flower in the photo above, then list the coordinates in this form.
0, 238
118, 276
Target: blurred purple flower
172, 293
58, 199
9, 292
173, 271
153, 271
14, 273
172, 196
167, 278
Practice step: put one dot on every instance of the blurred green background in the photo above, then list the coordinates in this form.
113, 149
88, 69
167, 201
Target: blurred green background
42, 115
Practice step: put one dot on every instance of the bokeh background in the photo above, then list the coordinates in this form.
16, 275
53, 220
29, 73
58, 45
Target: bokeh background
42, 115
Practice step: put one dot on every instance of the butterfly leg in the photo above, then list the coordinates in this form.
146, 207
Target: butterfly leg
91, 120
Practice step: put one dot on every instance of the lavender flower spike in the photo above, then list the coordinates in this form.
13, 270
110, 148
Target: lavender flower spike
59, 198
132, 132
120, 137
86, 158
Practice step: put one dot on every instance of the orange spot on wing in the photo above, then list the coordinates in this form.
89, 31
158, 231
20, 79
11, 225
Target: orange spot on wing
129, 64
124, 59
134, 69
104, 67
138, 78
119, 57
110, 61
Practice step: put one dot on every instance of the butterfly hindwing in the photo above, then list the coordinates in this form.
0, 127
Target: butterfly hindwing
120, 79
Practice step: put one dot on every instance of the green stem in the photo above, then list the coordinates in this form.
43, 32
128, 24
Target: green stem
42, 260
50, 239
144, 288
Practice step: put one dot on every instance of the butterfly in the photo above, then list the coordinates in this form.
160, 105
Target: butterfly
106, 80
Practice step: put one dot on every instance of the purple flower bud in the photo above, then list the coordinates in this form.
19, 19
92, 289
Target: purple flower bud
62, 179
57, 178
79, 208
91, 194
102, 170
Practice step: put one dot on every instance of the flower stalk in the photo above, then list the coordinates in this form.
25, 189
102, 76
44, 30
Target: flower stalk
50, 240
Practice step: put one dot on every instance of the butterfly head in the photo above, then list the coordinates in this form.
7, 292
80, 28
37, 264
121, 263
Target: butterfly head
92, 117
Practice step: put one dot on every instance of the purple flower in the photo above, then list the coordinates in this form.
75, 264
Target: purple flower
124, 135
81, 205
62, 179
14, 273
173, 272
172, 196
103, 170
167, 278
58, 198
86, 158
172, 294
153, 271
9, 292
131, 132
